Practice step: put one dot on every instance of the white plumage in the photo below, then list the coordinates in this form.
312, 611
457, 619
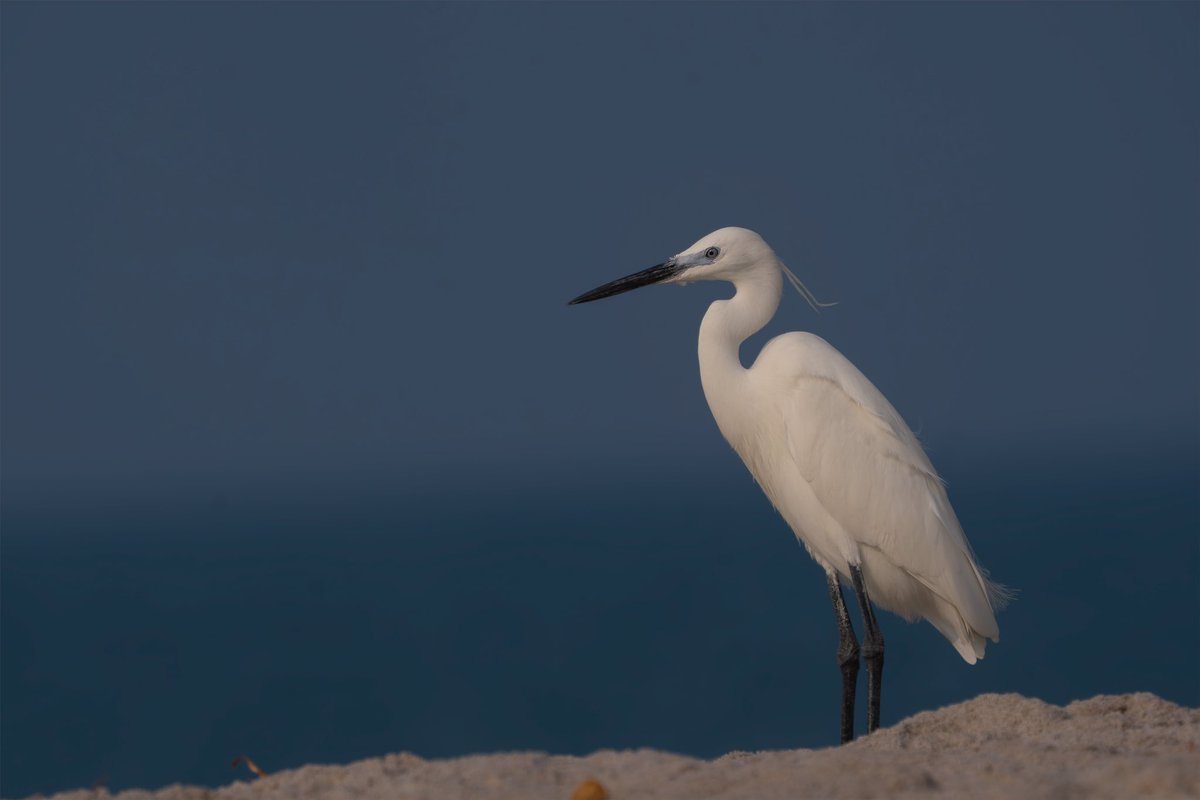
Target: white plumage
856, 487
828, 449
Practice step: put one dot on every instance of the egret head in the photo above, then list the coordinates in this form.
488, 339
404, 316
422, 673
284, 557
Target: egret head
721, 255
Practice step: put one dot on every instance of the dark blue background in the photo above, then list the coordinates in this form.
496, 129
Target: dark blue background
305, 457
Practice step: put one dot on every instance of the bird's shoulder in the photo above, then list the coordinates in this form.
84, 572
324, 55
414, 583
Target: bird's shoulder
798, 351
809, 374
798, 356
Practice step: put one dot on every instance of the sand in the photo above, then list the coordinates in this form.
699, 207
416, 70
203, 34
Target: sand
1122, 746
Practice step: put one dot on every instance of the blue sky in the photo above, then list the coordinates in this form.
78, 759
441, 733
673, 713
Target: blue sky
266, 243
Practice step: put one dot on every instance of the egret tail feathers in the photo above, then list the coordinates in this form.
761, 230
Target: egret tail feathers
998, 594
969, 644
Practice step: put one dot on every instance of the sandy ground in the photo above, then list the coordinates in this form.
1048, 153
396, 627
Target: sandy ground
1124, 746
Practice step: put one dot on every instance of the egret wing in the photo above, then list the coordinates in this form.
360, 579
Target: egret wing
870, 474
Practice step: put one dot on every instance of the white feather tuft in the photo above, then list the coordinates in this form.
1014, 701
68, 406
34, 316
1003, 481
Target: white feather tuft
799, 286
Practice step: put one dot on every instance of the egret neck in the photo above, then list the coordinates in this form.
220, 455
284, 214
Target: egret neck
727, 324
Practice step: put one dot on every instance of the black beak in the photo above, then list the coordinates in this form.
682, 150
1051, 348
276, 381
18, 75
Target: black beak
656, 274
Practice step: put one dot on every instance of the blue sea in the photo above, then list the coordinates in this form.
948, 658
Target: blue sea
150, 640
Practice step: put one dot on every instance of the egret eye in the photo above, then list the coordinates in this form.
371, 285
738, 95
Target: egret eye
712, 253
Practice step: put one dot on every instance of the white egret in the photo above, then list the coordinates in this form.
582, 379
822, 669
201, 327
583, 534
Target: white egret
835, 459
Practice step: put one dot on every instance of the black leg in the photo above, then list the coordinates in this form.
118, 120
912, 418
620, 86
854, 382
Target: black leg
847, 656
872, 648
